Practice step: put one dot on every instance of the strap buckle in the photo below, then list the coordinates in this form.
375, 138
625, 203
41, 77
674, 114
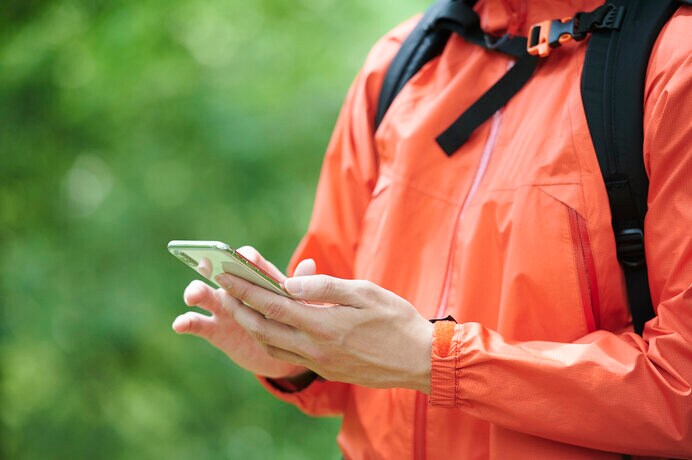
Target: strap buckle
550, 34
630, 247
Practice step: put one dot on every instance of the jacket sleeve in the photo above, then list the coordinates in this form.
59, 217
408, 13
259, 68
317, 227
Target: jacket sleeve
347, 179
622, 393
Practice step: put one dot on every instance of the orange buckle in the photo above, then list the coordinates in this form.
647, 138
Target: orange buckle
549, 34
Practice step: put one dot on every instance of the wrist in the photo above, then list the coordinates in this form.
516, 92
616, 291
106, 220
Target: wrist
421, 375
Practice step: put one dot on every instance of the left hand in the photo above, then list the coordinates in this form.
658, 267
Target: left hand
222, 331
368, 336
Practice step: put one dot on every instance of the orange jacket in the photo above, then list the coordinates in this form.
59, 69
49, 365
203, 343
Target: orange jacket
512, 236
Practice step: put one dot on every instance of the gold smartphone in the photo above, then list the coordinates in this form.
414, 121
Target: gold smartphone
211, 258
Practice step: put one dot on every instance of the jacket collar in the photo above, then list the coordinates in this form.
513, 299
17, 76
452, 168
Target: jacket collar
499, 16
517, 16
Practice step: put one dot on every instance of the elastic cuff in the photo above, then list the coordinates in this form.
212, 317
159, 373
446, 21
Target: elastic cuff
443, 384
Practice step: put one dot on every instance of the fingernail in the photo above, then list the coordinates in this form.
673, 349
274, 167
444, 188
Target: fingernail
294, 286
224, 280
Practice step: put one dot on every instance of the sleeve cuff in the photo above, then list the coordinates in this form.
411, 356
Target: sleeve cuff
292, 385
443, 375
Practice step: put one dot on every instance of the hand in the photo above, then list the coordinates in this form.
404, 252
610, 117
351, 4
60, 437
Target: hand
368, 336
222, 331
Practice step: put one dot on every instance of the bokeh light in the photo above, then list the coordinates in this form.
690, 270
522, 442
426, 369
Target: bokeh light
124, 125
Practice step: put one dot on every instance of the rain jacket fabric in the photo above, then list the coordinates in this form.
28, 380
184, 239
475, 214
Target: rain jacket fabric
512, 236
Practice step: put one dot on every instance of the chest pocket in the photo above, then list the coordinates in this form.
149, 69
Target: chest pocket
525, 265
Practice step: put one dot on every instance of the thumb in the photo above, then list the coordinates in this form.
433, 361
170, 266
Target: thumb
305, 267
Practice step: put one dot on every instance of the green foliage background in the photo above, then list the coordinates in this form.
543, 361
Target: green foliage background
124, 125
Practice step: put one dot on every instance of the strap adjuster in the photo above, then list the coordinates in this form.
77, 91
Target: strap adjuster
630, 247
607, 16
550, 34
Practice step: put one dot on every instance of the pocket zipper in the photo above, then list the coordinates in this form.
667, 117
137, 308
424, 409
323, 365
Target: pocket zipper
586, 270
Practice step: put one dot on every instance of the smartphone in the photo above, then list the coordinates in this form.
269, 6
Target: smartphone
211, 258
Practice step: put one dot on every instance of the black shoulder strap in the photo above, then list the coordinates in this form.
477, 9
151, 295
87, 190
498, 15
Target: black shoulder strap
428, 39
422, 45
613, 96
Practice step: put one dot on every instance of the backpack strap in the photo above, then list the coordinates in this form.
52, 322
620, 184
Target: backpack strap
428, 39
612, 91
422, 45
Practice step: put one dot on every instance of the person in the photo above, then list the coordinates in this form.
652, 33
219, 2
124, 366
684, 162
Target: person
511, 236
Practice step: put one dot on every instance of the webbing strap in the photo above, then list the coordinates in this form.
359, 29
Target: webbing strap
493, 100
427, 41
607, 16
466, 23
460, 18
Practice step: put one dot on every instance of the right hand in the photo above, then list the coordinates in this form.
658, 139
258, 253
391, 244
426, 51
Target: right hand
223, 332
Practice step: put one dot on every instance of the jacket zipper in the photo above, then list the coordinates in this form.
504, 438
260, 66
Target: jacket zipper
421, 408
480, 172
586, 270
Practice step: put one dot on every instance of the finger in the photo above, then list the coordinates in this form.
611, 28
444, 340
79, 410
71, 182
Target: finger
229, 303
268, 332
234, 306
201, 295
270, 305
195, 324
305, 267
323, 288
256, 258
204, 267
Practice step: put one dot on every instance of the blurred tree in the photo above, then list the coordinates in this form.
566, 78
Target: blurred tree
127, 124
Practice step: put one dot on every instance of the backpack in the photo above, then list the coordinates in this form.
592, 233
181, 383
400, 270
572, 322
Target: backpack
622, 33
